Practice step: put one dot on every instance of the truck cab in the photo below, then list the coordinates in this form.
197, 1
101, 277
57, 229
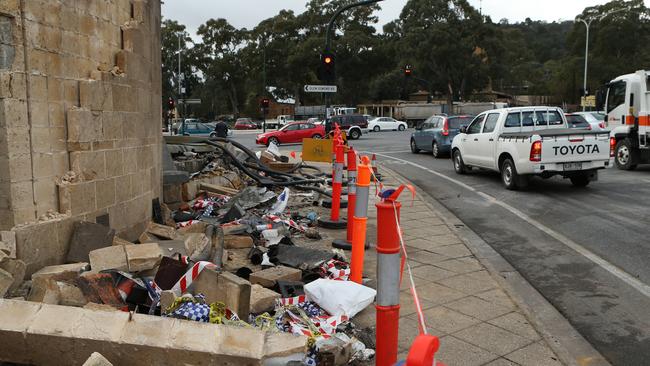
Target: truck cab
626, 102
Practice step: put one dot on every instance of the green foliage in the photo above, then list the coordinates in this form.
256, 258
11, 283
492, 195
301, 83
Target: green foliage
454, 50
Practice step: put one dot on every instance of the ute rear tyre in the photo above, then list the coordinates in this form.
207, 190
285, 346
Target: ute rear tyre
355, 134
510, 178
414, 148
626, 157
580, 180
459, 164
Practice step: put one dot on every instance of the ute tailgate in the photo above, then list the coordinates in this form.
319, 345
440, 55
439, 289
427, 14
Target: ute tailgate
575, 146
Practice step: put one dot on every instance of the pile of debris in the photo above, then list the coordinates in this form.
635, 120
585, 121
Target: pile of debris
244, 257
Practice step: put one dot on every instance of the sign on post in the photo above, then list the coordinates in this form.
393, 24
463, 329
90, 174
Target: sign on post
589, 101
189, 101
320, 88
317, 150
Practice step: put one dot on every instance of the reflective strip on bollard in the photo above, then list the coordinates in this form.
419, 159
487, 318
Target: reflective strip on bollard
361, 207
352, 182
388, 278
338, 173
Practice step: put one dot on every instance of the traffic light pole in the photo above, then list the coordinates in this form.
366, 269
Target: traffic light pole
328, 125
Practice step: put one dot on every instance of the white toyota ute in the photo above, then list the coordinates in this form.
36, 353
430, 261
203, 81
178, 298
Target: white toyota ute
526, 141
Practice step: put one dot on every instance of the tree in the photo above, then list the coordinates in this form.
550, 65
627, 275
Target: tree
171, 33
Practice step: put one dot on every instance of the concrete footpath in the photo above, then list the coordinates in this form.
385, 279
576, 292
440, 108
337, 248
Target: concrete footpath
476, 321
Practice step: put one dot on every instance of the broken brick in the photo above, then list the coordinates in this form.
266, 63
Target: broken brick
225, 287
17, 269
113, 257
162, 231
237, 241
70, 295
262, 299
6, 280
142, 257
61, 272
44, 290
96, 359
100, 288
269, 277
198, 246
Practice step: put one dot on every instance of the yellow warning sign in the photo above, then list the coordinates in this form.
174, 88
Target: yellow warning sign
317, 150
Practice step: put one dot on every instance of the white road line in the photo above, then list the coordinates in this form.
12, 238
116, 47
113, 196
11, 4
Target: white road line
609, 267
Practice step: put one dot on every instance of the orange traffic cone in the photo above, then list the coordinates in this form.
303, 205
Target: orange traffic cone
375, 173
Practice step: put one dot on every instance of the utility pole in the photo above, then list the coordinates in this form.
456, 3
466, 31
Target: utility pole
328, 34
180, 89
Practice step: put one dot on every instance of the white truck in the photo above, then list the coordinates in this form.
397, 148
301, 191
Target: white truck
526, 141
626, 101
279, 121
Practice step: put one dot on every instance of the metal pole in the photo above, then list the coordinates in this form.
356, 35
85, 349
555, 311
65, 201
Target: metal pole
584, 85
328, 34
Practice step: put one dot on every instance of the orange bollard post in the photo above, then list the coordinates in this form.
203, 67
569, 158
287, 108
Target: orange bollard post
335, 221
360, 220
352, 198
388, 281
375, 172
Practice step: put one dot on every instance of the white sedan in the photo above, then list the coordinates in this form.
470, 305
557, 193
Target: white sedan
596, 120
386, 124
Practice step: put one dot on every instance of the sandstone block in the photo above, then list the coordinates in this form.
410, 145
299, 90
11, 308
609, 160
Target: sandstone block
119, 241
162, 231
269, 277
225, 287
15, 318
96, 359
147, 238
17, 269
70, 295
143, 257
197, 246
63, 272
6, 281
8, 243
262, 299
237, 241
44, 290
112, 257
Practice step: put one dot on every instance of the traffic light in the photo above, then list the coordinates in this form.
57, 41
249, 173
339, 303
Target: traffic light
264, 103
170, 103
327, 66
408, 71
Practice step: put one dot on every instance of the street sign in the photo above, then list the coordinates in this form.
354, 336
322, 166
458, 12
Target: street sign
320, 88
189, 101
589, 101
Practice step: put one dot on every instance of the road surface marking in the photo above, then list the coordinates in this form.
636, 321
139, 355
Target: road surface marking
616, 271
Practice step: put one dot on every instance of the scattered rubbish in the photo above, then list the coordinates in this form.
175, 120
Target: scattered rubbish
303, 258
340, 297
281, 204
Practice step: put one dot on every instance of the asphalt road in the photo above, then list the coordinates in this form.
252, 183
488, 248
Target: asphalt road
586, 250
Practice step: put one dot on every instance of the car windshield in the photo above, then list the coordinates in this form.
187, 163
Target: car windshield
290, 127
597, 115
456, 123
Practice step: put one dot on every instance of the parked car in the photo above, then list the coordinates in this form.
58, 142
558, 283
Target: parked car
354, 125
531, 141
196, 129
595, 119
436, 134
291, 133
213, 125
245, 124
578, 121
386, 124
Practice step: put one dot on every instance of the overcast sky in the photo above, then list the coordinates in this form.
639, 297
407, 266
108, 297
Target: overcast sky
247, 13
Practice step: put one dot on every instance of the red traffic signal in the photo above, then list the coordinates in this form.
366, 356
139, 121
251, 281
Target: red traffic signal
265, 102
408, 70
170, 103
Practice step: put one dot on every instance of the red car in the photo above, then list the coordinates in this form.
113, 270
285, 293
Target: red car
291, 133
245, 124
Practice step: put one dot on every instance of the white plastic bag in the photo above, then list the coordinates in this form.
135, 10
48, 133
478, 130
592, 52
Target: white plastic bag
279, 206
340, 297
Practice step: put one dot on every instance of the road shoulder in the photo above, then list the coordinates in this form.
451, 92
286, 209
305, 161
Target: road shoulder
567, 345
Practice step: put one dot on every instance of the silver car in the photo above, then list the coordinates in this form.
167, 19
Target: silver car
596, 120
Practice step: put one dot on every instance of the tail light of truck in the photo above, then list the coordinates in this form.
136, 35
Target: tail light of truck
536, 151
612, 147
445, 128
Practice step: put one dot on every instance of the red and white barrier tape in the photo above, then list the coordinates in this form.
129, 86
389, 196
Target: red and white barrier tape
192, 274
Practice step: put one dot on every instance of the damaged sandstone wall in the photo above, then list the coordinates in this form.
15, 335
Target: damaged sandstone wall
80, 91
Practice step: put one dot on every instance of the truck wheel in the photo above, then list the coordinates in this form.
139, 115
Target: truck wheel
414, 147
459, 164
510, 178
435, 150
355, 134
626, 157
581, 180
